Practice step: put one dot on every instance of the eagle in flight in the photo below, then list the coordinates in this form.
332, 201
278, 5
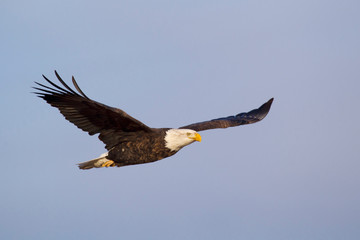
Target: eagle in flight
127, 140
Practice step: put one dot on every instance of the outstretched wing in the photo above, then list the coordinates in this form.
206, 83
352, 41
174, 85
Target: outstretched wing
113, 124
233, 121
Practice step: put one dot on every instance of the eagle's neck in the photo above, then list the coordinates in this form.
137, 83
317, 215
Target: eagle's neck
175, 139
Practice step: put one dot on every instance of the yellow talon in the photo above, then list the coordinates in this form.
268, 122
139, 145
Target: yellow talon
109, 163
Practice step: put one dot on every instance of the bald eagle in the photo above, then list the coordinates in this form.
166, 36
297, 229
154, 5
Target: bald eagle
127, 140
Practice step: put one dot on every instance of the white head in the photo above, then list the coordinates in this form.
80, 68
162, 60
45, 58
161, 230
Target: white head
175, 139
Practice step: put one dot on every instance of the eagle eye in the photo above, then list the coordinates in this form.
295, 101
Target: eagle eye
188, 134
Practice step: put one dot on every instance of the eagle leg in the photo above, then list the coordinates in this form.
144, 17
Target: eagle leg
108, 163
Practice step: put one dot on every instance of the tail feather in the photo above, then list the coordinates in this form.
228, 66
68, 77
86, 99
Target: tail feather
94, 163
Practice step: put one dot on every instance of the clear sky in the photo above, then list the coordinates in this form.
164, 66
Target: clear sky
294, 175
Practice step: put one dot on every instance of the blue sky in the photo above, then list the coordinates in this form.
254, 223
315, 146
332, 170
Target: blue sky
295, 175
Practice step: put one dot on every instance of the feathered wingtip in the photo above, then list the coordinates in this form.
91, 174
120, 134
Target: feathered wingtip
256, 114
264, 109
56, 89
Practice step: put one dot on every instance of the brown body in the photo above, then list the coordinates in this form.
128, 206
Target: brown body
149, 147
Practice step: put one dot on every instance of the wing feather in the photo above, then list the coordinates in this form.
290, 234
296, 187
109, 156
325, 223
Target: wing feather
113, 124
232, 121
78, 88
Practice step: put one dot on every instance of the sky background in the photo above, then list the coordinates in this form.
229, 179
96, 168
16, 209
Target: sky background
294, 175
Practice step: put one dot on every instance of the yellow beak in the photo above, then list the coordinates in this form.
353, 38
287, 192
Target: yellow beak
197, 137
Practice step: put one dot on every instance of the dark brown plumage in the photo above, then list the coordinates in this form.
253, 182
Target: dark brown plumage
233, 121
128, 140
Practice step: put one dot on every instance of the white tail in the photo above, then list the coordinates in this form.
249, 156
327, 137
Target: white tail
94, 163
